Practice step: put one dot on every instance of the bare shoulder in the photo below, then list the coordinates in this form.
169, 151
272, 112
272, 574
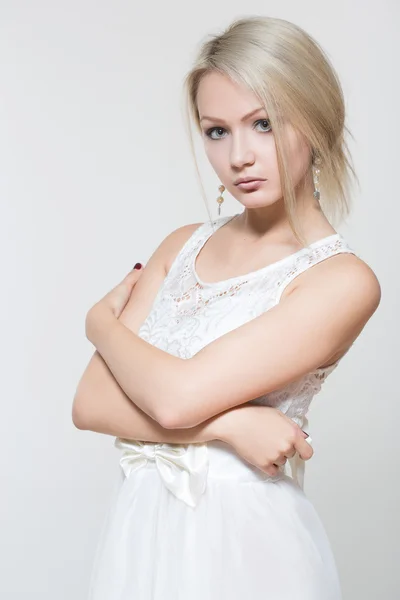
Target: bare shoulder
346, 276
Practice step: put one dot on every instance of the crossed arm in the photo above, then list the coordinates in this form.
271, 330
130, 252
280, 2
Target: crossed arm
315, 322
101, 405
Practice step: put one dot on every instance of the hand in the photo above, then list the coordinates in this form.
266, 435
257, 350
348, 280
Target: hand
263, 436
118, 297
113, 303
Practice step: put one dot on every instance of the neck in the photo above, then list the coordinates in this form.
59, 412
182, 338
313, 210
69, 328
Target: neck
272, 222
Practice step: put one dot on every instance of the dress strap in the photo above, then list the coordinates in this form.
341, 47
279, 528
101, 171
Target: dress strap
177, 268
180, 265
316, 253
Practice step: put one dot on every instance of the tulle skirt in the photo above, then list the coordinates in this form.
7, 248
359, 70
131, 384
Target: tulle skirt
210, 528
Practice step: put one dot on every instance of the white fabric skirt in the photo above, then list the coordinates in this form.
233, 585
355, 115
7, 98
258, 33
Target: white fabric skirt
197, 522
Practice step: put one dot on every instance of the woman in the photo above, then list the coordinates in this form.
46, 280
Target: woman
213, 354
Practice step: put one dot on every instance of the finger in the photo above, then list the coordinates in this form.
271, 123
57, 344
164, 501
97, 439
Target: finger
281, 461
272, 470
304, 448
128, 283
291, 452
132, 276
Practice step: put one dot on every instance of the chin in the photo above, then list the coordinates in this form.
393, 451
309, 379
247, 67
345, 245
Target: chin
257, 201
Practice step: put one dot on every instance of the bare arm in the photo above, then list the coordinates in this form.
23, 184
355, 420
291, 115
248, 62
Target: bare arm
100, 404
305, 330
114, 414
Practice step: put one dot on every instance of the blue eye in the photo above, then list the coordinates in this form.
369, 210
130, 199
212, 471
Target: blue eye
265, 121
209, 132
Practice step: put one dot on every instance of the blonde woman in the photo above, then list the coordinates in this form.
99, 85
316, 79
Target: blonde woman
207, 361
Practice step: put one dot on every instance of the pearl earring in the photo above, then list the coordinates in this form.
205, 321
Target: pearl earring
220, 198
317, 161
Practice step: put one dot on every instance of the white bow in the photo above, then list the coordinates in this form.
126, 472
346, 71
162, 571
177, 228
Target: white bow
183, 468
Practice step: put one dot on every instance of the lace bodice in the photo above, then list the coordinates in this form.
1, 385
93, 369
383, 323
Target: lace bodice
188, 313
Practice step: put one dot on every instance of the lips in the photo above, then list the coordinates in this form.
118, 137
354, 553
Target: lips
253, 184
248, 180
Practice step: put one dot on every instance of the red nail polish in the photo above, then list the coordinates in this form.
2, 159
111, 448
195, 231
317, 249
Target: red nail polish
138, 266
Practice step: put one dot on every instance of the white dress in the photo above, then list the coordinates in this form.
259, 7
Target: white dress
197, 522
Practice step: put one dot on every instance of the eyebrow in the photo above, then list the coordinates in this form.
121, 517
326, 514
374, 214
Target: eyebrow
250, 114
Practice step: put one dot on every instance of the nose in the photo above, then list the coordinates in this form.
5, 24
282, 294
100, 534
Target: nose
241, 152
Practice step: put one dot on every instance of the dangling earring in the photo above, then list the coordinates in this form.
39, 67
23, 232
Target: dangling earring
316, 162
220, 198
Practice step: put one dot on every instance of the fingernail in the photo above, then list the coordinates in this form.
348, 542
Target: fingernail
138, 266
305, 432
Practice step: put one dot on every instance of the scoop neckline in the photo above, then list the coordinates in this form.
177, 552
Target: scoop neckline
224, 221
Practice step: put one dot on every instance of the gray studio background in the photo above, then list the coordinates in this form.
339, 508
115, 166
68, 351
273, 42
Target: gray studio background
95, 171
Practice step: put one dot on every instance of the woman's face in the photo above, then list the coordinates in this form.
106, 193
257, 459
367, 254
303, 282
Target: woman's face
243, 146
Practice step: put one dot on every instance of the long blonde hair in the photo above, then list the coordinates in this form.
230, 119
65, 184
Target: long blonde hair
294, 80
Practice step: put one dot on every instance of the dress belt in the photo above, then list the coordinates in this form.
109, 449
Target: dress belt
184, 467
